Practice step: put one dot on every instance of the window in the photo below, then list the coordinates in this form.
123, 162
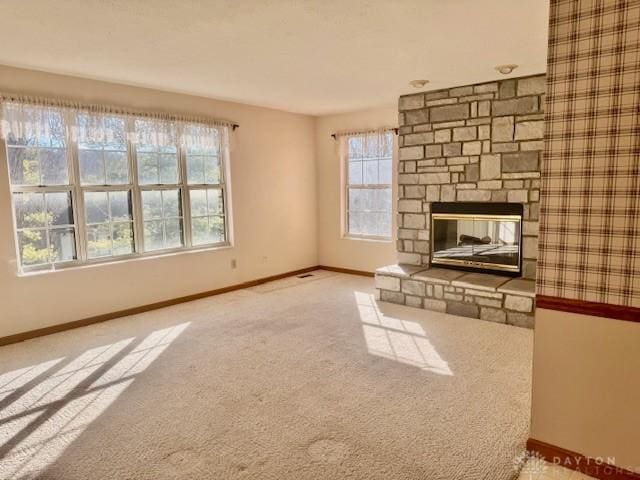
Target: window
44, 227
42, 192
162, 217
105, 184
103, 160
90, 187
368, 159
159, 179
206, 191
207, 215
109, 223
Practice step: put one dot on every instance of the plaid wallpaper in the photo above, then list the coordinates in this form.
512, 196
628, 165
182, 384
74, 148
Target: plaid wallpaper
589, 244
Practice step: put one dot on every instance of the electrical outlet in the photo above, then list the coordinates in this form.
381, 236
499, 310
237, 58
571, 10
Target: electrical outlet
234, 264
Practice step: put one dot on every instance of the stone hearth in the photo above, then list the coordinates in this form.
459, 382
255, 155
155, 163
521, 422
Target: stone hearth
477, 295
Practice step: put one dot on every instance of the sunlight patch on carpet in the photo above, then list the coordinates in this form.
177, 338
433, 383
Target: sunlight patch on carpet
37, 424
400, 340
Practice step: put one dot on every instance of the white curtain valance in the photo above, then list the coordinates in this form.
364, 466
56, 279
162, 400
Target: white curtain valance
49, 121
375, 143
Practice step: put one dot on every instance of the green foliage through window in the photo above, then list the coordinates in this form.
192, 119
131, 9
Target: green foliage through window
145, 190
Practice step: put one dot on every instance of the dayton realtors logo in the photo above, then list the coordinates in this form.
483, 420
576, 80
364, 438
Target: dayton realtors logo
530, 465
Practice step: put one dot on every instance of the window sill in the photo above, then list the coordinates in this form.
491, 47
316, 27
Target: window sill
76, 265
367, 238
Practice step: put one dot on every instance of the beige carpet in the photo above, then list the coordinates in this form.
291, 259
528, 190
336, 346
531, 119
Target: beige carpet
297, 379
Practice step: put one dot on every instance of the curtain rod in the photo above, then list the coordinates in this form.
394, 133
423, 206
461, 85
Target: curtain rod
394, 130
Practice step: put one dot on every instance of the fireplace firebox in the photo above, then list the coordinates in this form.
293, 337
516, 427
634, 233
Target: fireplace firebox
476, 236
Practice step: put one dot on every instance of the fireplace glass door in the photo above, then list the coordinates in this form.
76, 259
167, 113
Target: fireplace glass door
489, 242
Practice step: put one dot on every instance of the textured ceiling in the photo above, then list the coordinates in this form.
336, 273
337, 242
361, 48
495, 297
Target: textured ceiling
315, 57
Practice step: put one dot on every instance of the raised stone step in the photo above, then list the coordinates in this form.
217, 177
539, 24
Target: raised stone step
438, 275
519, 286
480, 281
477, 295
401, 270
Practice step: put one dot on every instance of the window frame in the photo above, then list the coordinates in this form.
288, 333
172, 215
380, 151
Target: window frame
347, 186
77, 191
37, 189
44, 189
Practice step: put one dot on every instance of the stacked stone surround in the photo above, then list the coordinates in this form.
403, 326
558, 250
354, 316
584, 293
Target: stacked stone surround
477, 295
478, 143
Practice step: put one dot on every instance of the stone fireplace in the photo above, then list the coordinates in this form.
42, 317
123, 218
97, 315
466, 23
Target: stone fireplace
464, 149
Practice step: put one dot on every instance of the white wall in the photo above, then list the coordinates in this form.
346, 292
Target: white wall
586, 392
333, 249
273, 182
